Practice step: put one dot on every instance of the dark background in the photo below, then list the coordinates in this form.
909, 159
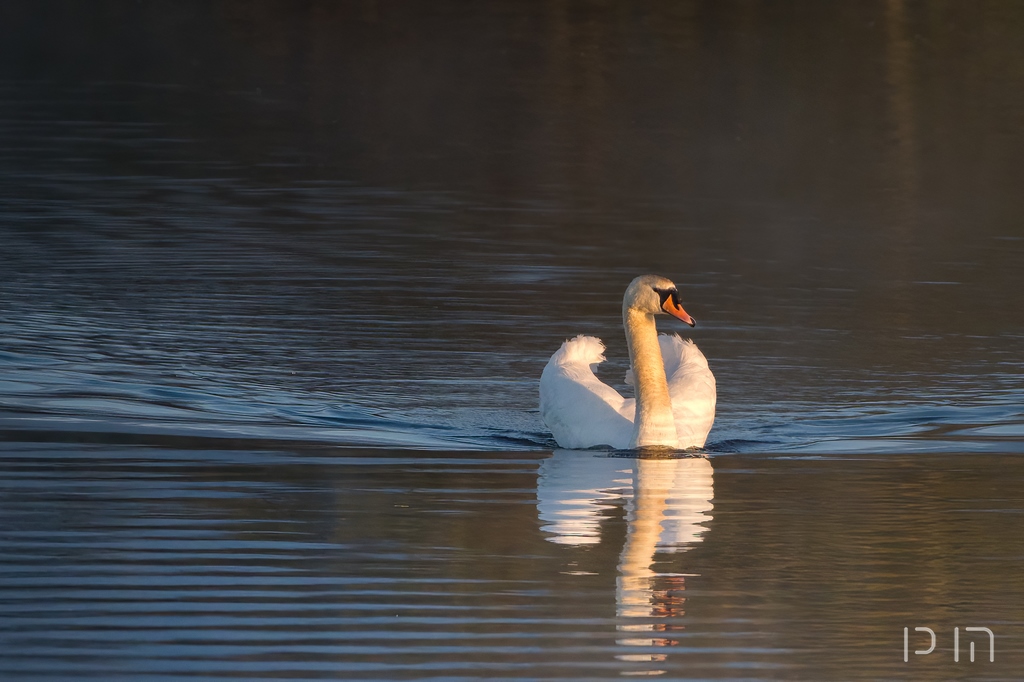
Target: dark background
409, 204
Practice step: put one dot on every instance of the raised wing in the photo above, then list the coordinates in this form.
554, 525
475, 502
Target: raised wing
580, 409
691, 385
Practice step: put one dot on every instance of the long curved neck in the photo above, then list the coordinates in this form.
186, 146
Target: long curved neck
653, 423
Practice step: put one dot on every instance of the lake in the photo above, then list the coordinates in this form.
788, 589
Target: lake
278, 281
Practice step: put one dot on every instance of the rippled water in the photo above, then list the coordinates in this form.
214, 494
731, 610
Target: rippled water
277, 285
167, 562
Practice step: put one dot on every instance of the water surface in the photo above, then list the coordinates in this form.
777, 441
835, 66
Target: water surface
162, 562
277, 284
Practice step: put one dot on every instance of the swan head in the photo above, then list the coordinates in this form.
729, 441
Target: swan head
654, 295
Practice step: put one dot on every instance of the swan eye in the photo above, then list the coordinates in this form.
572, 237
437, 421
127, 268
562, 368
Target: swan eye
666, 293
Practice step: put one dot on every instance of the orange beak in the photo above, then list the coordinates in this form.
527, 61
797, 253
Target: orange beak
672, 307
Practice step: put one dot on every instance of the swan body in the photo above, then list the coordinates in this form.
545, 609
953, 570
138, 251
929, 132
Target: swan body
675, 390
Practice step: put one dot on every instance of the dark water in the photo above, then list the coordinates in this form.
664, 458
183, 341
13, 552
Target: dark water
277, 283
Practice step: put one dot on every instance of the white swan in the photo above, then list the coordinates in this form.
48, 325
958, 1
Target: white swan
675, 390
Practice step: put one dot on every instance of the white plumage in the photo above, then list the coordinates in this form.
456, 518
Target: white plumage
676, 388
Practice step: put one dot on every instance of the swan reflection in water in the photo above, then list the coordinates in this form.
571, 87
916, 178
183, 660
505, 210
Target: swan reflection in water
668, 501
